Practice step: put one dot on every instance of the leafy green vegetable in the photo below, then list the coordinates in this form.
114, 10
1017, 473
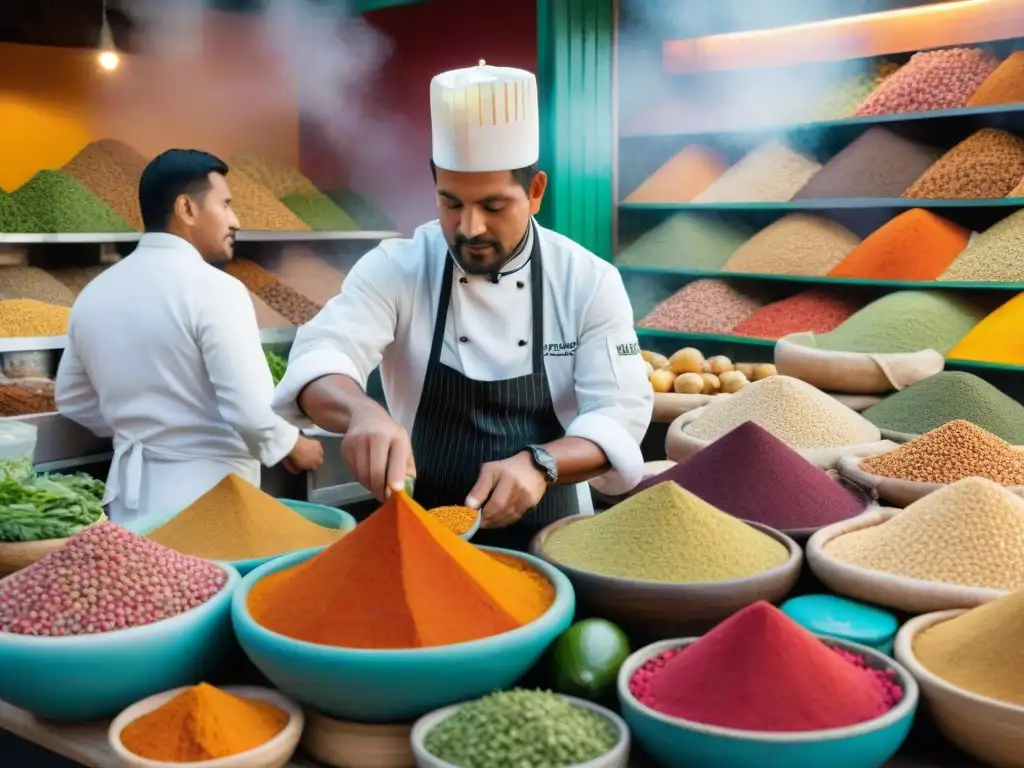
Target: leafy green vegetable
79, 483
18, 470
48, 506
277, 365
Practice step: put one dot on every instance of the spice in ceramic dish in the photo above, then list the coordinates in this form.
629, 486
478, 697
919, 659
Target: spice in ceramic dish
399, 580
512, 729
760, 671
970, 533
203, 723
458, 520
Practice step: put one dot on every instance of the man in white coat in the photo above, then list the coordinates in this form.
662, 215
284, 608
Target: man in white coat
164, 353
507, 352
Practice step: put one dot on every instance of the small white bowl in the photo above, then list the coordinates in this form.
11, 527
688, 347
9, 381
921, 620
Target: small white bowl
273, 754
616, 757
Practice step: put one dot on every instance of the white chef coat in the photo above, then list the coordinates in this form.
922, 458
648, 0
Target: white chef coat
385, 314
164, 356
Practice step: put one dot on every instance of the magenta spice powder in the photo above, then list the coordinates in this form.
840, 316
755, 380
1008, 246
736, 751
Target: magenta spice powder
703, 306
816, 311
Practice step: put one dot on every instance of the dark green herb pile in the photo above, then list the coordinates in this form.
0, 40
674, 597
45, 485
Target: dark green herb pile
277, 365
14, 218
48, 506
61, 204
320, 212
366, 214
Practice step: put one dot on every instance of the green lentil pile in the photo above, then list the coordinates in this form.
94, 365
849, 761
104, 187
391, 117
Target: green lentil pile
905, 321
14, 218
61, 204
666, 533
520, 729
948, 396
319, 212
686, 241
366, 214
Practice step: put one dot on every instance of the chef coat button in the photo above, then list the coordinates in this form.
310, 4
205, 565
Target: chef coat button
520, 284
463, 279
522, 343
463, 339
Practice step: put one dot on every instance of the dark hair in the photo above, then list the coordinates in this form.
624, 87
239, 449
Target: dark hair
171, 174
522, 176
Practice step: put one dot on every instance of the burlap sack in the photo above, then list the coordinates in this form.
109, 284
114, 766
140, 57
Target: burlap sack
858, 373
858, 403
911, 595
680, 446
668, 406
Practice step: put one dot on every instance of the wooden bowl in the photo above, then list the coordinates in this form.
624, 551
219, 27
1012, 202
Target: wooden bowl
988, 729
343, 744
667, 609
15, 555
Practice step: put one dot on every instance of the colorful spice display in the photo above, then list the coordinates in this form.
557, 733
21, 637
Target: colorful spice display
60, 204
970, 533
104, 579
797, 244
319, 212
814, 310
458, 520
666, 533
731, 678
916, 245
400, 580
111, 170
773, 172
1004, 86
995, 255
33, 283
995, 339
366, 214
76, 278
905, 321
237, 521
956, 450
979, 651
28, 317
931, 80
949, 396
280, 179
796, 413
289, 303
257, 208
988, 163
682, 177
521, 728
841, 100
703, 306
686, 241
14, 217
203, 723
878, 163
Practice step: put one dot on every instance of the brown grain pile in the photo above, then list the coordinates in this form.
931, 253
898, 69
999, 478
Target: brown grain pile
987, 164
111, 170
879, 163
797, 244
250, 274
265, 316
289, 303
303, 270
24, 397
76, 278
703, 306
33, 283
772, 173
1004, 86
682, 177
258, 209
280, 178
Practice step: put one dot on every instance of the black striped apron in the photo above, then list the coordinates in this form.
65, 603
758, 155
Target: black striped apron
461, 424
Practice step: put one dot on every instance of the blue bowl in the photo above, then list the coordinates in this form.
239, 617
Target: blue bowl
844, 619
392, 685
678, 743
91, 677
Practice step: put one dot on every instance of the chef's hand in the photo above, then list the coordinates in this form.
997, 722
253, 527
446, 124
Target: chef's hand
306, 456
378, 452
514, 486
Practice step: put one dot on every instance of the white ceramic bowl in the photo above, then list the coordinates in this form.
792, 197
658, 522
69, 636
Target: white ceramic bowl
616, 757
273, 754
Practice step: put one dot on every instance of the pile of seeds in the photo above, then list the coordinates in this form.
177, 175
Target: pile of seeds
681, 178
60, 204
104, 579
997, 338
772, 173
996, 255
258, 209
33, 283
703, 306
303, 270
987, 164
76, 278
956, 450
111, 170
814, 310
289, 303
458, 520
687, 241
949, 396
366, 214
798, 414
1004, 86
265, 316
916, 245
905, 321
797, 244
931, 80
14, 217
23, 397
27, 317
970, 533
879, 163
841, 100
250, 274
319, 212
666, 533
280, 178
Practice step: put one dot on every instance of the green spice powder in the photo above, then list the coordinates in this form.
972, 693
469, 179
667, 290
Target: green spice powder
686, 241
320, 212
61, 204
365, 213
513, 729
14, 218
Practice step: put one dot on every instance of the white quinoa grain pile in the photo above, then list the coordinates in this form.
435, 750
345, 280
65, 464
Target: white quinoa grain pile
970, 533
798, 414
772, 173
104, 579
797, 244
995, 255
703, 306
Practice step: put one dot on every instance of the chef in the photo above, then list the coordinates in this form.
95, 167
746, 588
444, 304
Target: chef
164, 354
507, 352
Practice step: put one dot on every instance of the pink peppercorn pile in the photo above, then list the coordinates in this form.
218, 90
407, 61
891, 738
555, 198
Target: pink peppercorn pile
815, 311
104, 579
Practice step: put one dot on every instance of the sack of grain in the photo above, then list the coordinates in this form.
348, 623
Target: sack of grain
860, 373
668, 406
858, 403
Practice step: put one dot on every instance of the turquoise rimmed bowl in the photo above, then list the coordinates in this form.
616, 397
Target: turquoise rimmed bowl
678, 743
380, 686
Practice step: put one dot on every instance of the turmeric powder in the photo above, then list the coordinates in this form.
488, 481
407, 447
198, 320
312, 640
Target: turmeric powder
458, 520
203, 723
997, 338
400, 580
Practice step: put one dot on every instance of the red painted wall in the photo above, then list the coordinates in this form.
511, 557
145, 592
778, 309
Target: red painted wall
390, 165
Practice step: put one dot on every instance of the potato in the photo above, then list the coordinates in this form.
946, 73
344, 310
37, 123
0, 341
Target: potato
657, 361
662, 380
712, 385
689, 384
686, 360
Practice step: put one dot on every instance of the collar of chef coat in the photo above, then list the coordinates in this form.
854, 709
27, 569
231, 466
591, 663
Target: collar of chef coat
167, 241
513, 265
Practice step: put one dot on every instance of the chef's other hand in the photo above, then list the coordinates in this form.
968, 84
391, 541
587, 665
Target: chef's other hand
378, 452
306, 456
507, 489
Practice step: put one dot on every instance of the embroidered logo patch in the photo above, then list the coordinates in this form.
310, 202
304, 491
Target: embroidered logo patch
627, 350
561, 349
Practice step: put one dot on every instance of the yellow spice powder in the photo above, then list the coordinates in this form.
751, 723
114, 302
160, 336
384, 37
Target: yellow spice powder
28, 317
456, 519
997, 338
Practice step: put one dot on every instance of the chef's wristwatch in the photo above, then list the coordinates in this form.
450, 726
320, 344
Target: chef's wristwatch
545, 462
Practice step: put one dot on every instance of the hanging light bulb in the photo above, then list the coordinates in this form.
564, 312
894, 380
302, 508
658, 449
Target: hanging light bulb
108, 56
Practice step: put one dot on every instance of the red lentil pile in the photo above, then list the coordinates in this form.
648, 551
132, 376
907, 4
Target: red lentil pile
816, 311
703, 306
104, 579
